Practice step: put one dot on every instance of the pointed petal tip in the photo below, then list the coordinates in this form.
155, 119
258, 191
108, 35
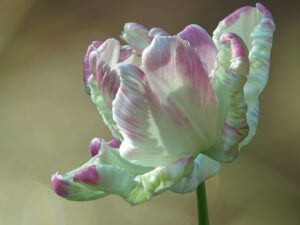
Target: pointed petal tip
59, 185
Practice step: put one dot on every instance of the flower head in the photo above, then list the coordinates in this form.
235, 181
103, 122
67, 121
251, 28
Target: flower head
176, 106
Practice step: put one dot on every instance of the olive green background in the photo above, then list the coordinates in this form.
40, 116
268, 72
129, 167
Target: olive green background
47, 120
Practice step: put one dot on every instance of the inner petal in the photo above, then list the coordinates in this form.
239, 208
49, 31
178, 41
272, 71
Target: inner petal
169, 112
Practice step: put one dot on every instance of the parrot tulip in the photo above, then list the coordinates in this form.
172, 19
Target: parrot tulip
177, 106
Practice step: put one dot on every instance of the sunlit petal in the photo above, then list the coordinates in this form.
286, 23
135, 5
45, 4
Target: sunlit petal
202, 43
169, 112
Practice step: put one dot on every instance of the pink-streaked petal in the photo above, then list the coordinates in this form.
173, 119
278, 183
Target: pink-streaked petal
255, 26
109, 51
235, 127
157, 31
181, 92
243, 21
133, 117
130, 100
80, 190
107, 54
105, 173
103, 92
104, 81
107, 80
201, 42
136, 35
109, 84
100, 177
86, 62
171, 111
229, 78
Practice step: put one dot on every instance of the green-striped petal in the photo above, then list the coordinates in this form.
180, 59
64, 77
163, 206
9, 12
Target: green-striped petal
228, 80
255, 26
108, 173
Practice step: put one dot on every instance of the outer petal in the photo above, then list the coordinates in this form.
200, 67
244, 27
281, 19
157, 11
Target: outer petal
170, 112
104, 81
255, 26
204, 168
201, 42
109, 173
136, 35
104, 110
80, 184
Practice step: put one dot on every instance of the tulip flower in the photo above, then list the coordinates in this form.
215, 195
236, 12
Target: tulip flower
177, 106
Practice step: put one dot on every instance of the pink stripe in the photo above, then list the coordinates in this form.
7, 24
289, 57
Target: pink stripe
88, 175
233, 17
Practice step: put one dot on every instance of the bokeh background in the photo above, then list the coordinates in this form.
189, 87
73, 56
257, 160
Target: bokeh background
47, 120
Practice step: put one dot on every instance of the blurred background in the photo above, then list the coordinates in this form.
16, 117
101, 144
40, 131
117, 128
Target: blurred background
47, 120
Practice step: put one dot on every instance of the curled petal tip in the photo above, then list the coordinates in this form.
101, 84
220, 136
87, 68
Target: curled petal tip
59, 185
238, 49
89, 175
264, 10
94, 146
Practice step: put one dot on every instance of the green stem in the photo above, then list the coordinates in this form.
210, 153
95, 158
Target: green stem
202, 205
